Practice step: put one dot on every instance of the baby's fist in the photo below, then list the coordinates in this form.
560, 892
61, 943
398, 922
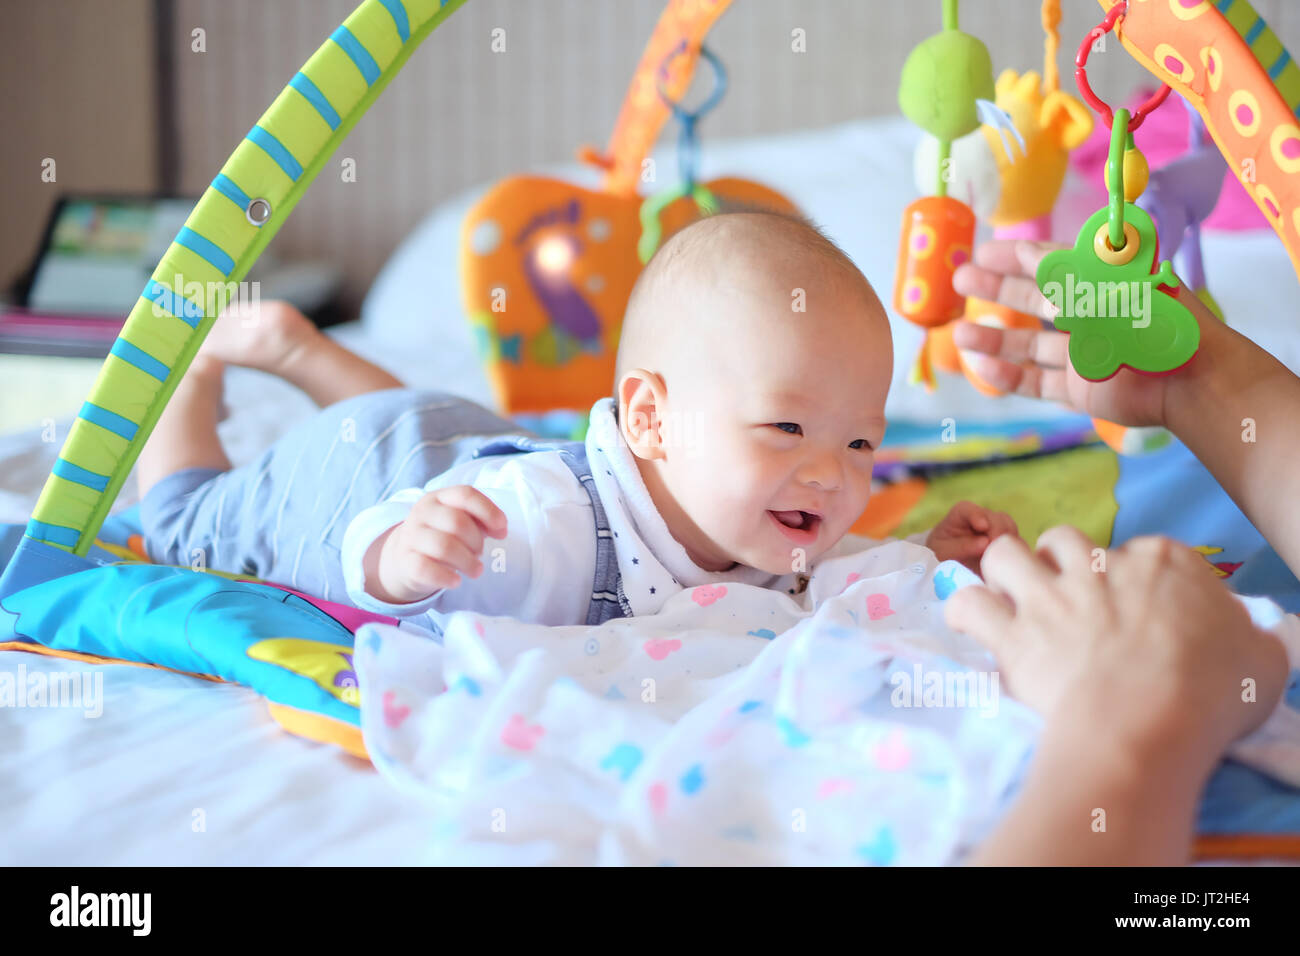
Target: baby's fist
965, 533
443, 535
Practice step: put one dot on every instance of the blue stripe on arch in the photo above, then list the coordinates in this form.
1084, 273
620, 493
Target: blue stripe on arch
111, 421
398, 13
1224, 5
277, 151
184, 309
1279, 65
357, 53
206, 249
141, 359
1253, 33
311, 92
70, 472
52, 533
226, 186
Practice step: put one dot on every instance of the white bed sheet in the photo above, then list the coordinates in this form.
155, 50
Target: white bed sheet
122, 788
168, 753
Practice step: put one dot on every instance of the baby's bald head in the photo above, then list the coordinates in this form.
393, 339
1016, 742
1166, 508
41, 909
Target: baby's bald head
736, 279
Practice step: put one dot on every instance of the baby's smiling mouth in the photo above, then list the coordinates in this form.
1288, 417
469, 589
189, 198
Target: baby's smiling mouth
798, 524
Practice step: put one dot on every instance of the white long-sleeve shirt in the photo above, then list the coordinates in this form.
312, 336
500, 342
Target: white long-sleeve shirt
543, 570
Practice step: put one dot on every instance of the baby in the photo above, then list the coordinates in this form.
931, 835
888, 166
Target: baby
751, 378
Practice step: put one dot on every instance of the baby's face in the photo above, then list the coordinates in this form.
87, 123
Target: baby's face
775, 423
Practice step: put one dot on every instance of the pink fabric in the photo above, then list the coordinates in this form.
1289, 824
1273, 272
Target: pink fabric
1163, 136
347, 615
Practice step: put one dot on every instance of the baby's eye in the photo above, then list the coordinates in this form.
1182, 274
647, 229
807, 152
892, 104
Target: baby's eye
782, 426
860, 443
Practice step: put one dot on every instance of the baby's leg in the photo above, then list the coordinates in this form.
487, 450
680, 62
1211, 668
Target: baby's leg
186, 433
272, 337
283, 516
275, 337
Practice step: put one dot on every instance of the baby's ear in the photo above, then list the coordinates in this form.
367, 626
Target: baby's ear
640, 389
1068, 116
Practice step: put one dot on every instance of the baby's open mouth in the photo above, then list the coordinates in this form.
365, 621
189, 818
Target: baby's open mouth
804, 522
793, 519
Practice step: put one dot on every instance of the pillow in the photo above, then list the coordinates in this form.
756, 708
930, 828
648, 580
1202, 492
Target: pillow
413, 309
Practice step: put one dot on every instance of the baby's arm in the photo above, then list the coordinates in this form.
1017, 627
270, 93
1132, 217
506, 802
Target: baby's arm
539, 571
1138, 672
404, 555
443, 534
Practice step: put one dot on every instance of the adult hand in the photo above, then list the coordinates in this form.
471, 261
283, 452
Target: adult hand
1142, 640
1036, 363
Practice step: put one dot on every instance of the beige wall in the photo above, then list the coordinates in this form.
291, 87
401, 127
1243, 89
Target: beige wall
461, 114
76, 86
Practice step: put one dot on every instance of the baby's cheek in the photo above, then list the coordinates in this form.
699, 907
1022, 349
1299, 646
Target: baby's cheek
740, 490
860, 492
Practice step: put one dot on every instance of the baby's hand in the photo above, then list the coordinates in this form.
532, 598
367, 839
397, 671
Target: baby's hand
966, 531
442, 535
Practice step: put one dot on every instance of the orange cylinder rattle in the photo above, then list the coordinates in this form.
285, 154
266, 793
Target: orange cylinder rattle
935, 239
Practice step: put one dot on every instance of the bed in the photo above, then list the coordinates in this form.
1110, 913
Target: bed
180, 771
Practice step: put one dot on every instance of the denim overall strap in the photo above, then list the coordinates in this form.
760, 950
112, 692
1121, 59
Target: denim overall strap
607, 598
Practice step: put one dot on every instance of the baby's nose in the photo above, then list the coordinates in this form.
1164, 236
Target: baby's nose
824, 471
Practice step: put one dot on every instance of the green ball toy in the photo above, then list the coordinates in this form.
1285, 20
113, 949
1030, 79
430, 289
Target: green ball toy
942, 79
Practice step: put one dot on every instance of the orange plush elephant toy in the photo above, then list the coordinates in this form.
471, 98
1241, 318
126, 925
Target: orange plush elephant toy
547, 266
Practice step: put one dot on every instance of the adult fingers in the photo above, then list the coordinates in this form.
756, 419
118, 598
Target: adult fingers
1015, 292
1004, 271
1013, 256
982, 614
1032, 381
1010, 567
1044, 347
1068, 548
1158, 550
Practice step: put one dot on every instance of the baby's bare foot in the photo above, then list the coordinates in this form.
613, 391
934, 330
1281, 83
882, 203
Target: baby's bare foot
268, 336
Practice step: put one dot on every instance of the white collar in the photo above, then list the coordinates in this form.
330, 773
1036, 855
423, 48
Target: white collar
639, 525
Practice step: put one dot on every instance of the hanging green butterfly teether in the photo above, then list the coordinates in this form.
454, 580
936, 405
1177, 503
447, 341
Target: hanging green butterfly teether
1107, 288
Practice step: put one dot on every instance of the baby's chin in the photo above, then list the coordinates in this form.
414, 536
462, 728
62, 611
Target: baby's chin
791, 563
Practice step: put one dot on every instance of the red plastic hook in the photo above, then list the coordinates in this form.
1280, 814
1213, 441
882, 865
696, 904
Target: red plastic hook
1081, 73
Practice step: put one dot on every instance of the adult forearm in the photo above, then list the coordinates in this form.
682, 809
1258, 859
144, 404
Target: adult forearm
1238, 410
1090, 799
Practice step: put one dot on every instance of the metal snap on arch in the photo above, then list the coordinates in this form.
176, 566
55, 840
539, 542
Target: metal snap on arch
258, 211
